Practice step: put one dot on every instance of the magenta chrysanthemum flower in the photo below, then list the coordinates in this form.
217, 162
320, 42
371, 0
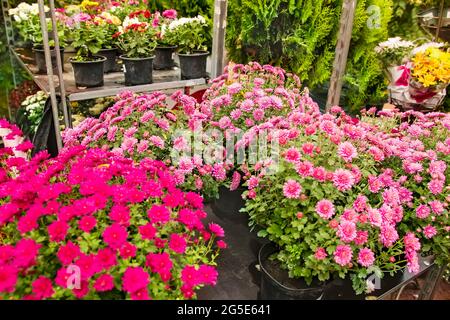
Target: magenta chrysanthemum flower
134, 279
325, 209
343, 179
292, 189
343, 255
388, 234
347, 151
104, 283
115, 235
217, 230
366, 257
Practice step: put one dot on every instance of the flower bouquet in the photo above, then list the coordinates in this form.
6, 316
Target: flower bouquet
430, 73
393, 54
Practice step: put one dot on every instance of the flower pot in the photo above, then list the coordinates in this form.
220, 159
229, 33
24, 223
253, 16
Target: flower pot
137, 70
276, 284
89, 73
228, 204
193, 66
110, 55
39, 58
164, 58
420, 93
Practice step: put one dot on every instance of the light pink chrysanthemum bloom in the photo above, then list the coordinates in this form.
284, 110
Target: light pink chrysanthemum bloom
343, 254
292, 189
325, 209
366, 257
347, 151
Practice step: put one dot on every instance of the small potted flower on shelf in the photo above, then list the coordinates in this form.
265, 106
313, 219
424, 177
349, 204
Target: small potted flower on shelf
136, 39
88, 38
165, 39
27, 20
430, 73
191, 36
109, 49
393, 54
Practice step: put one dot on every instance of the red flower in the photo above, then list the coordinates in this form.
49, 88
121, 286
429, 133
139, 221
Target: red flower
115, 236
104, 283
42, 288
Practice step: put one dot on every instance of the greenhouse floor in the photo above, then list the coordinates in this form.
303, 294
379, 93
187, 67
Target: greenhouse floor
238, 277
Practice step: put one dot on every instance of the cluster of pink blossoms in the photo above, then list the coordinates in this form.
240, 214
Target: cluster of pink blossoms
360, 183
146, 125
125, 227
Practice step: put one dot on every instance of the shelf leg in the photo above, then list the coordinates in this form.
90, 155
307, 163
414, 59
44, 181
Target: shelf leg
59, 64
48, 62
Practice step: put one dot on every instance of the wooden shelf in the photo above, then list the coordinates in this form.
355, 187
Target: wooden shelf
113, 82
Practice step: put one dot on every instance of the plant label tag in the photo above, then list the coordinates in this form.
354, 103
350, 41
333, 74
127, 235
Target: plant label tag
124, 69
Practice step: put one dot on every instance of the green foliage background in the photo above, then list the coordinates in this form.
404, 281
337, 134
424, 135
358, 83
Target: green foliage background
300, 35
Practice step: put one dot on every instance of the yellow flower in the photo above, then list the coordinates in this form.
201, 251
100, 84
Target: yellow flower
87, 3
431, 67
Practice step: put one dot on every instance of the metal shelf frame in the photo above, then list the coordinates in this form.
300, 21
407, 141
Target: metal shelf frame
49, 86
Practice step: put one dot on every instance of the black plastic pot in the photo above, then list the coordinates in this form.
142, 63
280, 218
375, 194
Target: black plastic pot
271, 283
137, 70
39, 58
164, 58
89, 73
110, 55
193, 66
229, 202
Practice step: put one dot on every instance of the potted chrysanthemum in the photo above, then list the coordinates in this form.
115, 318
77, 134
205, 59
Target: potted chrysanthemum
191, 36
165, 38
345, 200
88, 38
109, 48
136, 39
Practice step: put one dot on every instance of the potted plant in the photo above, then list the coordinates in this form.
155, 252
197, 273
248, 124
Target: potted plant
190, 36
141, 126
343, 200
103, 234
27, 19
243, 97
165, 38
394, 54
136, 39
88, 38
109, 49
430, 73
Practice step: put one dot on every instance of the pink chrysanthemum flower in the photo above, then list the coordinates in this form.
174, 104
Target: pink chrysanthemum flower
325, 209
292, 155
429, 231
343, 255
366, 257
292, 189
343, 179
320, 254
346, 231
347, 151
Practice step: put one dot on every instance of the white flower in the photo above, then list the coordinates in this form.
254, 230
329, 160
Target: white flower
393, 43
186, 21
370, 286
